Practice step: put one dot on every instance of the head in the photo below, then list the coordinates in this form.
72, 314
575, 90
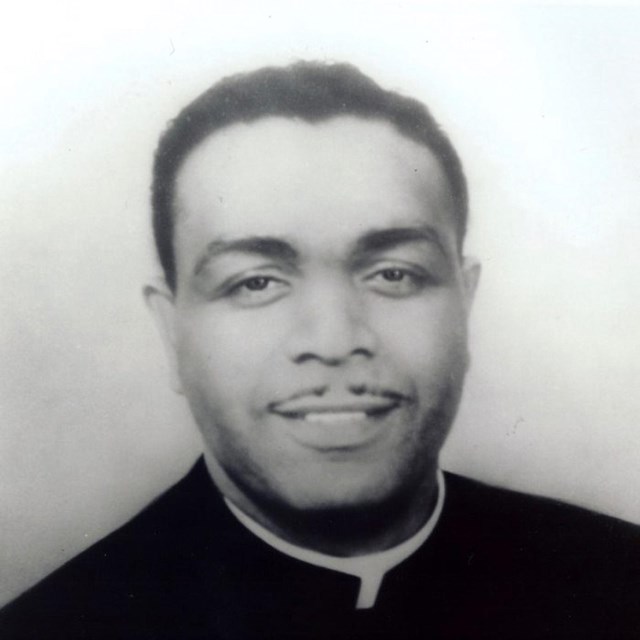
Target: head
310, 225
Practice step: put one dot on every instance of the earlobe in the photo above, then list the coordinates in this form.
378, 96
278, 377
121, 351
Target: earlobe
160, 301
471, 270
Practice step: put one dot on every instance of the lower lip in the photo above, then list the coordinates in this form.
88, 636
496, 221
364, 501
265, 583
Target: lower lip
335, 431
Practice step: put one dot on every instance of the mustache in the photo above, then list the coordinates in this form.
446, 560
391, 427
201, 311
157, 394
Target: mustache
354, 390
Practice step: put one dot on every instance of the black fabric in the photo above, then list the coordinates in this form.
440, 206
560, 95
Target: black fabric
498, 565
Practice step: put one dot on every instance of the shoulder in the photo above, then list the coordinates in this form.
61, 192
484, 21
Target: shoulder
505, 513
141, 567
580, 568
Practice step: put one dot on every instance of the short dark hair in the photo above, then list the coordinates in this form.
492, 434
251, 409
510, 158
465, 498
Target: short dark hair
310, 91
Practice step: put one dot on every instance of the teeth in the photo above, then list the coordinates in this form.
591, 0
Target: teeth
329, 416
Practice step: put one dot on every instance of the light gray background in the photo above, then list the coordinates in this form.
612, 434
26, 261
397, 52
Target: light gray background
544, 107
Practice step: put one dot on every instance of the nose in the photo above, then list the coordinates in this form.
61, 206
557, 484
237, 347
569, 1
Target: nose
331, 327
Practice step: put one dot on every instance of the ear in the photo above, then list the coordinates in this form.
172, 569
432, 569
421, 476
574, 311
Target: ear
161, 302
470, 277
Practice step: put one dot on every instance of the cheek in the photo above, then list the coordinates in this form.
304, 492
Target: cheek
225, 356
426, 338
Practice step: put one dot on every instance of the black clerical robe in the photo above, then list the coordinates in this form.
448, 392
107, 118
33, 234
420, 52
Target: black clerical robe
498, 565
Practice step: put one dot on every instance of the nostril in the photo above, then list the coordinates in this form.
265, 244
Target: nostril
330, 361
357, 390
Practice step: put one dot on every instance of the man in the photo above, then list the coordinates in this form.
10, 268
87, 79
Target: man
314, 311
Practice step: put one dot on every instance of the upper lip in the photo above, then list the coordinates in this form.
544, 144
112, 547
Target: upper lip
369, 403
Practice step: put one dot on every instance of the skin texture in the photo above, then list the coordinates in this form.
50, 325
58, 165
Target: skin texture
319, 325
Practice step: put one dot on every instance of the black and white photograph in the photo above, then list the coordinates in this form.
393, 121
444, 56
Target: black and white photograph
320, 320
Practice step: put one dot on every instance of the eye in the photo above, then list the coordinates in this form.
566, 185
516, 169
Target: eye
393, 275
397, 282
257, 290
259, 283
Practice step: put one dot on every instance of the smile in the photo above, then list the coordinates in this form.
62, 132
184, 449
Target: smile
335, 411
333, 416
337, 424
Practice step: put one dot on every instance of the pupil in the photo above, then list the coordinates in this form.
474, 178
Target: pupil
256, 284
393, 274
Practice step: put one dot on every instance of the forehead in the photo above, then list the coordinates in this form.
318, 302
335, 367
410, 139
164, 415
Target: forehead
322, 182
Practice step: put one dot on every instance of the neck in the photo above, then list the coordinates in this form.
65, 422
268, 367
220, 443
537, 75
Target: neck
345, 531
354, 531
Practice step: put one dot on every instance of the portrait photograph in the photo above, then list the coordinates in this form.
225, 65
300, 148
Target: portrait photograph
320, 319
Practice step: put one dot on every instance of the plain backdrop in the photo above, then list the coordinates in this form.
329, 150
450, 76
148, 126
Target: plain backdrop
543, 103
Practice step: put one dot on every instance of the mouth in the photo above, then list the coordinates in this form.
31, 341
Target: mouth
338, 422
336, 412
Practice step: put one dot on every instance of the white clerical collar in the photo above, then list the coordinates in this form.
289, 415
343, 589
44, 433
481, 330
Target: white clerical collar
370, 568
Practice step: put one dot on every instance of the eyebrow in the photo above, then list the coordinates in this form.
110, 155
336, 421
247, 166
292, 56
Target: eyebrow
384, 239
265, 246
278, 249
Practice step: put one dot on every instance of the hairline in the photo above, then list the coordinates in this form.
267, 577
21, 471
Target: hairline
409, 117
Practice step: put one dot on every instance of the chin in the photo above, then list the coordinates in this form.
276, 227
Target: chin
341, 492
340, 518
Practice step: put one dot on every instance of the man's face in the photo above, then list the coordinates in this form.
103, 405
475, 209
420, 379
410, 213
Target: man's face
318, 328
